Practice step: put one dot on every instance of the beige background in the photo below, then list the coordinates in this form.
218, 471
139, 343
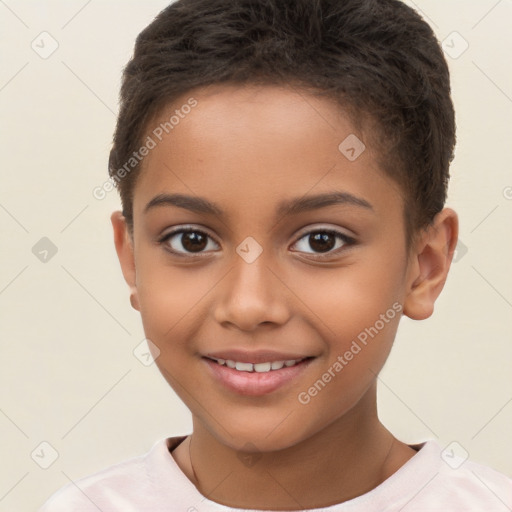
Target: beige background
68, 374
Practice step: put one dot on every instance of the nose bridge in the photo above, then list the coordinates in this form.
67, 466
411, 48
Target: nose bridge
251, 294
250, 272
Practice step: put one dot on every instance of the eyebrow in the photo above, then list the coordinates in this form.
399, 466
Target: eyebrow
287, 207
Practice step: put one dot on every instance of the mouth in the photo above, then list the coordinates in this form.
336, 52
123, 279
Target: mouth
255, 379
263, 367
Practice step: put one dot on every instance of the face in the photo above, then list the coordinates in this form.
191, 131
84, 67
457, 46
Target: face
287, 248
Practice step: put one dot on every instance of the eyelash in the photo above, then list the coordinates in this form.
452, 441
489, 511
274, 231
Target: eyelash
347, 241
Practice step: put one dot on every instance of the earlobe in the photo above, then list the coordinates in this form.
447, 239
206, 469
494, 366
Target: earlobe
124, 247
429, 265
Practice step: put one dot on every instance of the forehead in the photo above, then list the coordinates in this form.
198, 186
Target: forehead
255, 146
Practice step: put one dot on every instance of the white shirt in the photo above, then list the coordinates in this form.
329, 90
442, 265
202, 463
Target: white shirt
154, 482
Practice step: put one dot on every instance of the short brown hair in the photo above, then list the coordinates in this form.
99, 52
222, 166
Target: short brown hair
378, 59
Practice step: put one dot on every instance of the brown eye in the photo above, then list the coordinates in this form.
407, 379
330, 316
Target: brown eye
323, 241
193, 241
187, 241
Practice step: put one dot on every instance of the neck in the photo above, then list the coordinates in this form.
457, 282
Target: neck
348, 458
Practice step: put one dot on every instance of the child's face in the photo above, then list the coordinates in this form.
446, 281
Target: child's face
249, 150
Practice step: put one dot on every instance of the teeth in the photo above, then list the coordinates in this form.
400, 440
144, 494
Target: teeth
257, 367
244, 367
262, 367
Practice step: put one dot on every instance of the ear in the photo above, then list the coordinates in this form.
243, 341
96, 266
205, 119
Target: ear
124, 248
429, 264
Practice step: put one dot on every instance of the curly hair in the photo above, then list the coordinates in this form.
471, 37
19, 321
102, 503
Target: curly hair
376, 59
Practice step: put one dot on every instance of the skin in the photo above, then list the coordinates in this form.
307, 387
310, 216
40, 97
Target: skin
247, 149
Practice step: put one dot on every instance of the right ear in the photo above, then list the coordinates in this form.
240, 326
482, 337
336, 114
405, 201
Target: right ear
124, 248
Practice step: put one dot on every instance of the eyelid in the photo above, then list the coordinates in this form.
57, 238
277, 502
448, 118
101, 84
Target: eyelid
323, 227
187, 227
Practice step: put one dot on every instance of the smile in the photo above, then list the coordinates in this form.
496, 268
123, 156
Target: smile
257, 367
255, 379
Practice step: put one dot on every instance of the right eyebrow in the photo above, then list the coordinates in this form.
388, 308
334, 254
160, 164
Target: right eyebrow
192, 203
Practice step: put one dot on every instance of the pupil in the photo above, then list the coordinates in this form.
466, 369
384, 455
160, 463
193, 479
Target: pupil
193, 241
321, 242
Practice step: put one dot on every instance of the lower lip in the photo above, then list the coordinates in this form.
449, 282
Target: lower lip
256, 383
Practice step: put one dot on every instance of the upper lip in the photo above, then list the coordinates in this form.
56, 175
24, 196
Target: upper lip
260, 356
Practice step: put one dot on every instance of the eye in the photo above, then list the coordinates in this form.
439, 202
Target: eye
323, 241
187, 240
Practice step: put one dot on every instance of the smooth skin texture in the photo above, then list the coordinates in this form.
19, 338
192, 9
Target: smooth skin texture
247, 149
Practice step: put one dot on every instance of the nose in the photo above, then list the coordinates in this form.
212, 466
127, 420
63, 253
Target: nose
251, 294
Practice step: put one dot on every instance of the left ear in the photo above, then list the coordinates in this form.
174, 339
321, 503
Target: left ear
429, 264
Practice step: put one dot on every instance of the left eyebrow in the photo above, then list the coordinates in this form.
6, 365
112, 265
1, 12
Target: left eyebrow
308, 203
287, 207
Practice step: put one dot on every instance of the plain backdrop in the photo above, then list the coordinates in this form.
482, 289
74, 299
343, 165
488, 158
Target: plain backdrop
74, 395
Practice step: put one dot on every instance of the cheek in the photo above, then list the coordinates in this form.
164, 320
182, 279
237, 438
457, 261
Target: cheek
356, 311
169, 300
347, 300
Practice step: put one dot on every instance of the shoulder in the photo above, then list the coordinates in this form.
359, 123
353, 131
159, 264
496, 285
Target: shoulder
476, 486
117, 487
91, 492
457, 483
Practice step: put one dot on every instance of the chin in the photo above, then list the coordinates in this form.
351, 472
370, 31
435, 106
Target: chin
270, 435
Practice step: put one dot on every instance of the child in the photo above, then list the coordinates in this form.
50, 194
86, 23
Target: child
283, 168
